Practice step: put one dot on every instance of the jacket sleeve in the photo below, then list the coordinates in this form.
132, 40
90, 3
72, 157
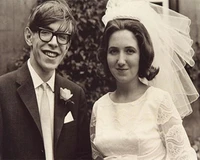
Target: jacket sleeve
173, 133
84, 147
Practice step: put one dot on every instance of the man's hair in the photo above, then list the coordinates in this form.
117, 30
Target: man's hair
146, 70
49, 12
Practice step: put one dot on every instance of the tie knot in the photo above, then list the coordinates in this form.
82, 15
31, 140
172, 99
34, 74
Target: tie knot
44, 86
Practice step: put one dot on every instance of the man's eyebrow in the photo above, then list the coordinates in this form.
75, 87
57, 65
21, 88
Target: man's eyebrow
50, 29
47, 28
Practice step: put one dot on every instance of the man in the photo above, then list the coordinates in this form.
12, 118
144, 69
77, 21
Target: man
43, 115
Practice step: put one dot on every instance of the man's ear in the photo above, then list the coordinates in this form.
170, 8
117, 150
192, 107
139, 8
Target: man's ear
28, 35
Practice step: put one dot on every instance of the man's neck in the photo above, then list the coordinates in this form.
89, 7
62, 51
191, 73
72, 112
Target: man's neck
43, 74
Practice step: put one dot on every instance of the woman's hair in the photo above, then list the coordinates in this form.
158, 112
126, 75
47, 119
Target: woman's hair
146, 70
49, 12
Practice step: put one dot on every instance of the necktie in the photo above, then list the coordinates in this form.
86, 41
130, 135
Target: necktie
46, 124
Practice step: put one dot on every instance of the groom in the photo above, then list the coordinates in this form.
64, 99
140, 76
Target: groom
43, 115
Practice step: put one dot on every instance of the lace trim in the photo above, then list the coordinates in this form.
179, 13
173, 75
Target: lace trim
167, 110
175, 140
164, 114
176, 144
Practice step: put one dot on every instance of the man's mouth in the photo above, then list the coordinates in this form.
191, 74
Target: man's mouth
51, 54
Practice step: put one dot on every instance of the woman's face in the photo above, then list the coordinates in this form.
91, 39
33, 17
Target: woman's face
123, 56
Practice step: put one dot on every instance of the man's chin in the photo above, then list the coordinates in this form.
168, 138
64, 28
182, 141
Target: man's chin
50, 68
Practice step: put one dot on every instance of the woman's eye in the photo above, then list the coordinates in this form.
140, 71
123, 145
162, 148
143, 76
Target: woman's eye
130, 51
113, 51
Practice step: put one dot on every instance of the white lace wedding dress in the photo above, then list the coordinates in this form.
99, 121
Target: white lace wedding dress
149, 128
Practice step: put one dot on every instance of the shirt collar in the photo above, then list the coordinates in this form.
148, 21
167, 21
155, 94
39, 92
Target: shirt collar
51, 82
37, 81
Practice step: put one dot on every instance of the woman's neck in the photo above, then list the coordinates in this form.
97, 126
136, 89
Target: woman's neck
128, 92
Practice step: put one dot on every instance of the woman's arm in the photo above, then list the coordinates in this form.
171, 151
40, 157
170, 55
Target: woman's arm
95, 153
173, 133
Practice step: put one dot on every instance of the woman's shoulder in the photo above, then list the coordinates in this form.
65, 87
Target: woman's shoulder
102, 102
103, 99
158, 90
157, 93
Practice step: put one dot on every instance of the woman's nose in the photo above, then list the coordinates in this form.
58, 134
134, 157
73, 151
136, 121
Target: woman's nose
121, 59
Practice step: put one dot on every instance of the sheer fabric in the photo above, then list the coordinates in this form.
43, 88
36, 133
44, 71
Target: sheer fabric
169, 32
145, 129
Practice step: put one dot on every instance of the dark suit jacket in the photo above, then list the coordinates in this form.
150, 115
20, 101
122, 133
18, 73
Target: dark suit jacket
20, 128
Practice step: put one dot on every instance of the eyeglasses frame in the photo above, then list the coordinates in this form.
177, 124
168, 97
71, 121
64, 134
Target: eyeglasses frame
53, 34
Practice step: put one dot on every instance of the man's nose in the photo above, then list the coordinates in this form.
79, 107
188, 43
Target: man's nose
53, 41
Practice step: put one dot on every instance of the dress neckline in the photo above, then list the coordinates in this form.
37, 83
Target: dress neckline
132, 102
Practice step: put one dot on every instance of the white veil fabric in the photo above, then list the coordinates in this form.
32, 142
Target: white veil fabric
169, 32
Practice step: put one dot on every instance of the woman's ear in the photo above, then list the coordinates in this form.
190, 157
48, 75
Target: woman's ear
28, 35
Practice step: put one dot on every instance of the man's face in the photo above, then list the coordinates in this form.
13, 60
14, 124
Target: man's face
46, 56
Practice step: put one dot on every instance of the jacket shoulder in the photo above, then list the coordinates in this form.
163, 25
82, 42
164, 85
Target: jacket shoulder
69, 84
8, 77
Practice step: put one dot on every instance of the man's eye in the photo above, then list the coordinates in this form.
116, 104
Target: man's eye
45, 32
62, 37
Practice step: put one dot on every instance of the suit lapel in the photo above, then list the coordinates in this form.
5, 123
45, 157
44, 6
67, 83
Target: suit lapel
27, 93
60, 109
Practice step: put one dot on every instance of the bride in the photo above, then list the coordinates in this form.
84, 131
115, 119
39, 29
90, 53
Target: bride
144, 51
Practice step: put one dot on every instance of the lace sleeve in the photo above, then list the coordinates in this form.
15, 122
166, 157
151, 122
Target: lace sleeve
96, 155
173, 133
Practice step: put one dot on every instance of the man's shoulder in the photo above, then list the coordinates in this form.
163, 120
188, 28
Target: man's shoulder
8, 76
13, 75
67, 83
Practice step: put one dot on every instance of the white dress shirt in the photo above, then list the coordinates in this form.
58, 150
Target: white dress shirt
37, 81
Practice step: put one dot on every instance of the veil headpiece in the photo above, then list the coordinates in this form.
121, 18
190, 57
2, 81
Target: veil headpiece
169, 32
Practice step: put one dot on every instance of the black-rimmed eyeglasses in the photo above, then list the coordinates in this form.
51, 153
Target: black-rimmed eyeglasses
46, 35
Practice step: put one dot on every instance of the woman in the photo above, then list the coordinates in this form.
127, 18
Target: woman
141, 119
